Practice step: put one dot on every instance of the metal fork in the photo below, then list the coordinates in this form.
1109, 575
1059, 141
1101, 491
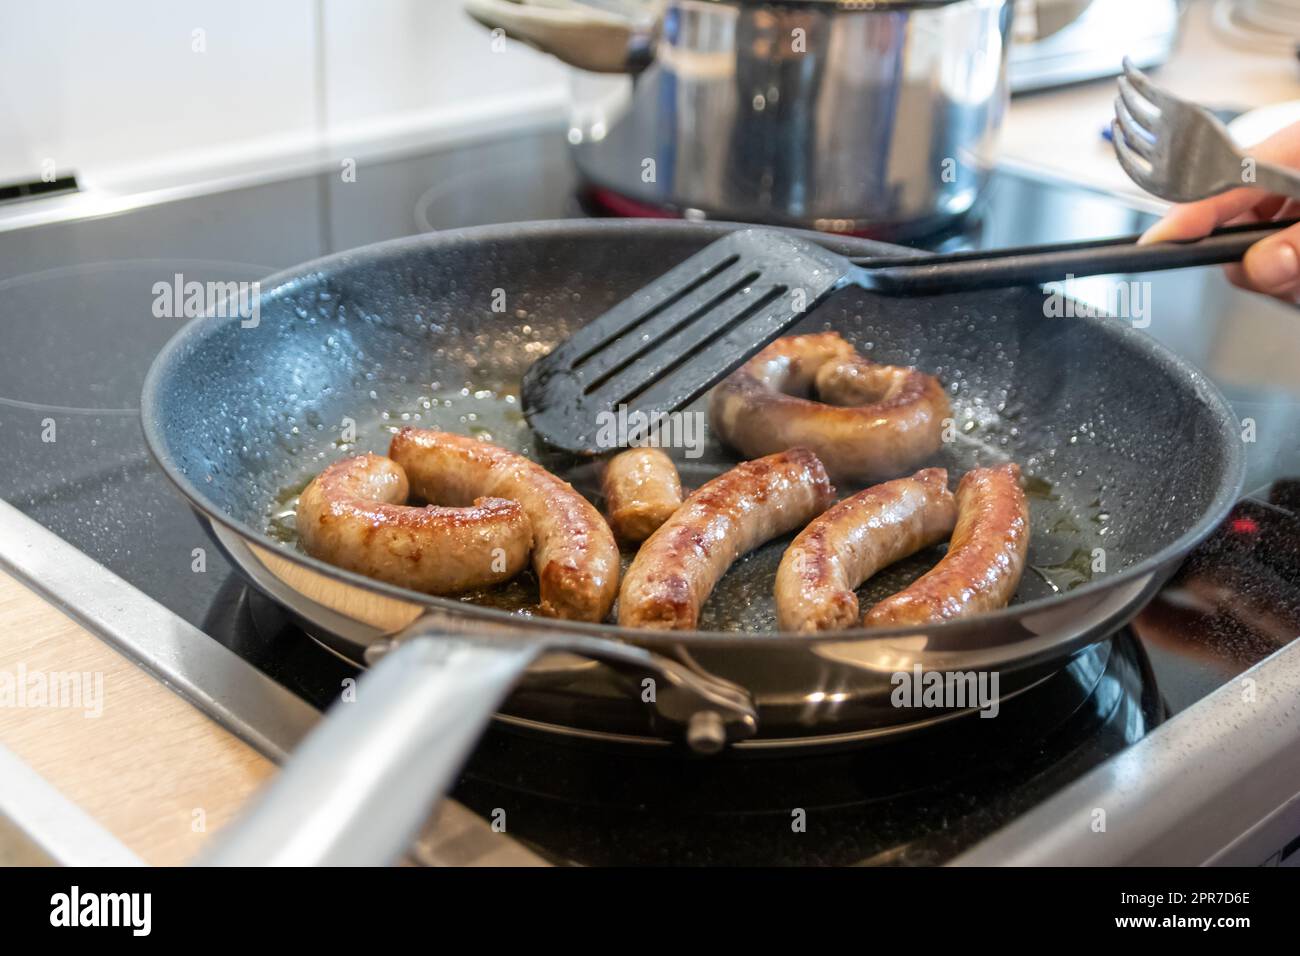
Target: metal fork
1179, 151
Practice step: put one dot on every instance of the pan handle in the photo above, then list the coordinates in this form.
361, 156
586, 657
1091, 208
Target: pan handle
1028, 265
360, 786
357, 790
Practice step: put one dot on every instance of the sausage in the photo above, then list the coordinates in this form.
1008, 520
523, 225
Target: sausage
677, 568
852, 541
984, 562
857, 381
873, 422
354, 515
642, 490
574, 553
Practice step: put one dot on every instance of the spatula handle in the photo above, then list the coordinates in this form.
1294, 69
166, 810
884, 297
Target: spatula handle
1029, 265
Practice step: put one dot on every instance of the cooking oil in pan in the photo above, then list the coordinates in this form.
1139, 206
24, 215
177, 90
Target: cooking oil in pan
489, 414
1039, 488
492, 414
482, 413
282, 522
1061, 549
1069, 574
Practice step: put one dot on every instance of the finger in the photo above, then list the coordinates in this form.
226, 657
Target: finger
1289, 295
1193, 220
1282, 147
1272, 265
1269, 207
1237, 276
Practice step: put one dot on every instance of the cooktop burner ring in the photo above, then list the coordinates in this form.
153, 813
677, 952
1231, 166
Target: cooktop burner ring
1063, 689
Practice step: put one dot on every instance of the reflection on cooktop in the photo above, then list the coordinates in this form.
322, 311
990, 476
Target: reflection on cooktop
919, 800
1233, 602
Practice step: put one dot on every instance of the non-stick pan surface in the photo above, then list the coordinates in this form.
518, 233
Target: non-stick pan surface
1130, 454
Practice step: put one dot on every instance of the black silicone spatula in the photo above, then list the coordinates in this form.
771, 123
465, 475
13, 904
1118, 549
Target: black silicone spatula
664, 346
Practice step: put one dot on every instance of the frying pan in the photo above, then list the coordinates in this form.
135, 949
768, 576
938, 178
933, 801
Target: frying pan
1132, 457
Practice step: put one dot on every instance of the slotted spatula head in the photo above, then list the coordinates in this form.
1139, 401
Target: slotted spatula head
664, 346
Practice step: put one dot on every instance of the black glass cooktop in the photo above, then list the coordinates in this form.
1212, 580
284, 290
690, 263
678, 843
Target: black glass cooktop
78, 331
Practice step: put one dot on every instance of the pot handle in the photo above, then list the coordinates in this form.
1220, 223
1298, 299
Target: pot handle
363, 782
587, 38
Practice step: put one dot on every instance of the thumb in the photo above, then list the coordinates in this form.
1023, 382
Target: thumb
1272, 265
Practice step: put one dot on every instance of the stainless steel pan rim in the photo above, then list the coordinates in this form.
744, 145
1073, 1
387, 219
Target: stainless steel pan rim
241, 555
197, 329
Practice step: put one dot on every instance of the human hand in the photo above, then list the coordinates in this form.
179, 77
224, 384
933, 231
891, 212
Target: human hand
1270, 266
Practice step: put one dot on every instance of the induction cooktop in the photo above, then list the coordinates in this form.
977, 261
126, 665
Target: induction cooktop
78, 332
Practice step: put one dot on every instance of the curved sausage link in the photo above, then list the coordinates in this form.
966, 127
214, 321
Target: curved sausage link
984, 562
856, 381
642, 489
855, 539
677, 568
873, 422
353, 514
574, 555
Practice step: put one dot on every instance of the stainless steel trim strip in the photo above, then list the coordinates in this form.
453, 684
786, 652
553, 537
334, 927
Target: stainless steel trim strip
216, 680
38, 825
1217, 784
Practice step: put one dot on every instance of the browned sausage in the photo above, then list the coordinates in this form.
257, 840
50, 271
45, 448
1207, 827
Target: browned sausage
852, 541
856, 381
984, 562
574, 554
642, 490
354, 515
881, 422
677, 568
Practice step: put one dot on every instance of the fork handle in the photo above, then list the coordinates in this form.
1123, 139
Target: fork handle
1030, 265
1277, 179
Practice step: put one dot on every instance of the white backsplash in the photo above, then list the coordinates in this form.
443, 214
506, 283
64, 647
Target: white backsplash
157, 92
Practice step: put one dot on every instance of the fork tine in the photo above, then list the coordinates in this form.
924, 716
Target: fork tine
1148, 89
1140, 110
1135, 137
1132, 163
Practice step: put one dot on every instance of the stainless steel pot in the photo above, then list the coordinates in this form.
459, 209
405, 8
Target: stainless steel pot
850, 116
